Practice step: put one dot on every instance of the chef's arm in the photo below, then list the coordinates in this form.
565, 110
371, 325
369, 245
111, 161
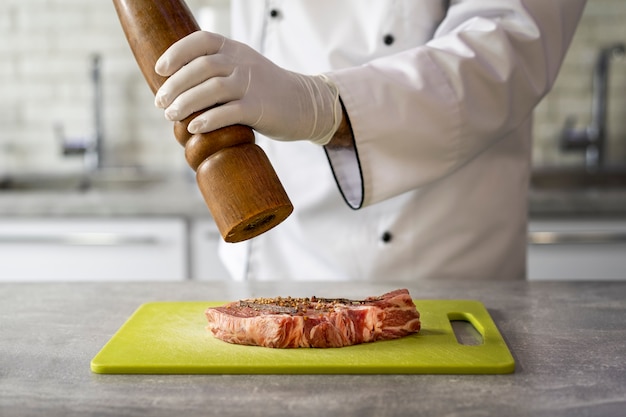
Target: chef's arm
429, 110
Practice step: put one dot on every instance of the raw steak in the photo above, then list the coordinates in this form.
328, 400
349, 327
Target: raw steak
314, 322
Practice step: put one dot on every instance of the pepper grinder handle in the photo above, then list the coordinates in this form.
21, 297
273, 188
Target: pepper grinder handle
236, 179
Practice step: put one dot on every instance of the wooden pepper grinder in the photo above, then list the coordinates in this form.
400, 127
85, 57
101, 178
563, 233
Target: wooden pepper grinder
234, 175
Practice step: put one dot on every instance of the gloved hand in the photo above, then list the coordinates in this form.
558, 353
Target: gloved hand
240, 86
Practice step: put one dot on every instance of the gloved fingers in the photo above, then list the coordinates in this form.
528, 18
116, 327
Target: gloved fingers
217, 90
228, 114
193, 74
186, 50
239, 86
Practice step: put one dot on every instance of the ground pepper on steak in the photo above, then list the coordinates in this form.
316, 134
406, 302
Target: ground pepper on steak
289, 305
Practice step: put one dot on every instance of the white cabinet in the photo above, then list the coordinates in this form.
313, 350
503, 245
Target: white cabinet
115, 249
579, 249
205, 263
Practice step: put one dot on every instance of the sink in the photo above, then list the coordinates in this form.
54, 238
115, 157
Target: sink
105, 179
562, 178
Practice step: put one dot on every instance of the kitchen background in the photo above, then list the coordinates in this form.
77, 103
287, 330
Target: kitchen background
67, 76
46, 87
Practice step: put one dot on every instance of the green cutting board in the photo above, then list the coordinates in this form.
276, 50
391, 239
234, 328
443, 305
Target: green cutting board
171, 338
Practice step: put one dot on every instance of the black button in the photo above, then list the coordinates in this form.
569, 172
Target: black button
386, 237
388, 39
274, 13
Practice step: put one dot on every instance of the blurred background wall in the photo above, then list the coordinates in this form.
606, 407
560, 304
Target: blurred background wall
603, 24
46, 54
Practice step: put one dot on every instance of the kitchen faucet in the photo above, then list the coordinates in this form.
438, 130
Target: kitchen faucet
91, 148
592, 138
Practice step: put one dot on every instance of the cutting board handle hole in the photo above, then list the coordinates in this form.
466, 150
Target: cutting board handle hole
464, 330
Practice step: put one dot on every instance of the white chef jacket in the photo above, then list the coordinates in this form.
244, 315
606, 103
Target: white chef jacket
439, 95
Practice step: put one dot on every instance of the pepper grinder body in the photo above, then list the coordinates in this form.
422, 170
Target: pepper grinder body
236, 179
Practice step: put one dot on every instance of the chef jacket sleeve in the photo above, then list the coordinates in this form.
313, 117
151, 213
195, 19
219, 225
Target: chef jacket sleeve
420, 114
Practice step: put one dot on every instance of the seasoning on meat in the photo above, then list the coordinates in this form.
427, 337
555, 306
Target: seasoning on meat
314, 322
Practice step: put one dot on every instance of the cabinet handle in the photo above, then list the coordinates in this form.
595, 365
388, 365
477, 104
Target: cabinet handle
82, 239
582, 237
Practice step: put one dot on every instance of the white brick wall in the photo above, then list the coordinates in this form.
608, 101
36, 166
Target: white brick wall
45, 53
46, 48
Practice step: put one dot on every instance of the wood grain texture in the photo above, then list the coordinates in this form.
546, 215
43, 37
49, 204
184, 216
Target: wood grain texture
236, 179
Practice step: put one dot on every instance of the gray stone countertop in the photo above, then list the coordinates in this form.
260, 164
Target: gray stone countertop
568, 341
184, 199
179, 196
175, 197
590, 203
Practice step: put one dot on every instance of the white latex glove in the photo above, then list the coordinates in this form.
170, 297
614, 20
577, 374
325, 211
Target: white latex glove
240, 86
